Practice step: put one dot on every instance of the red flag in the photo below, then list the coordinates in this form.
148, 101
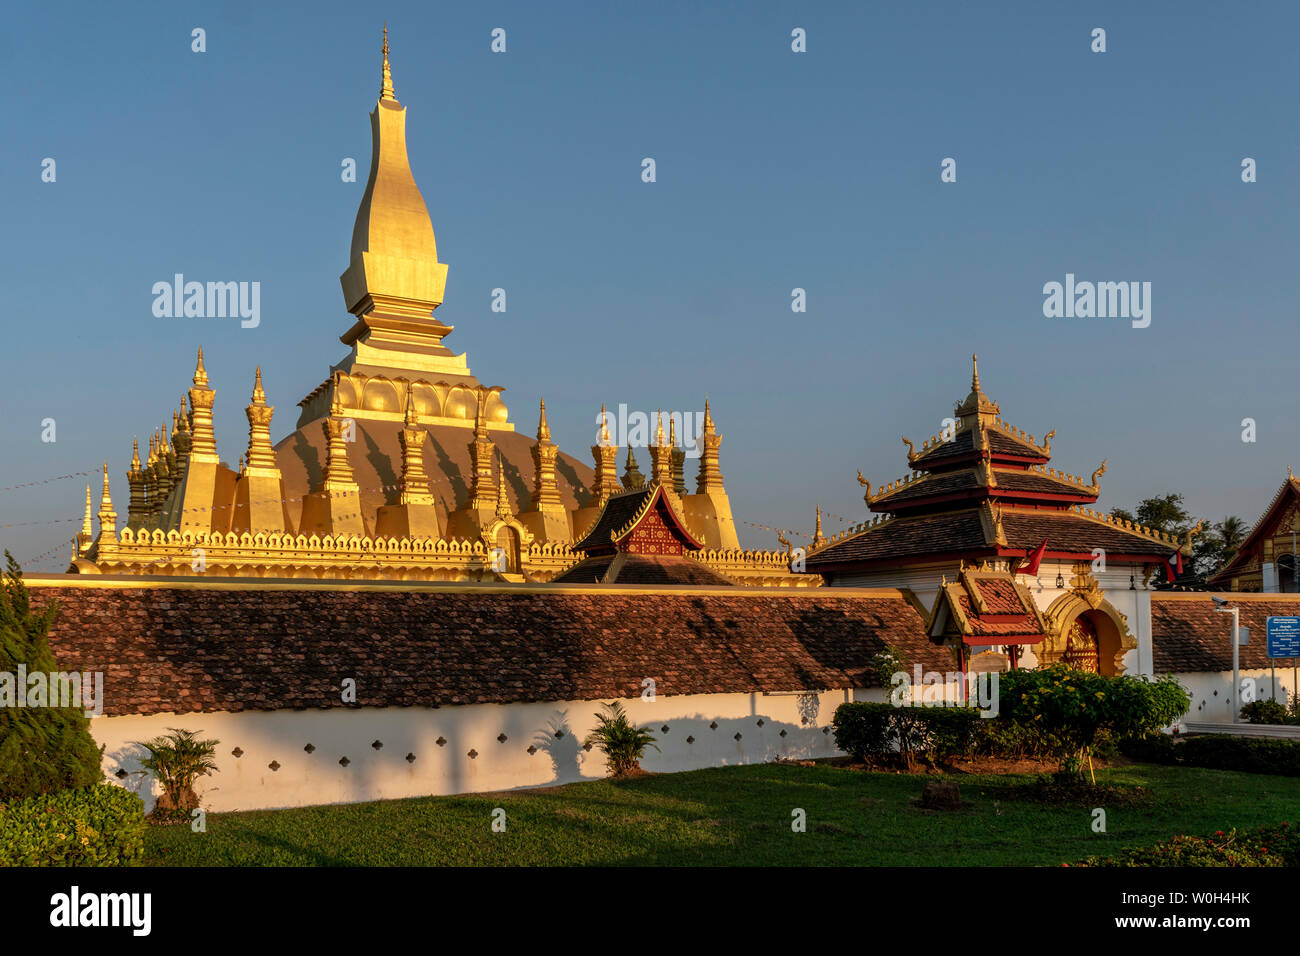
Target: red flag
1033, 560
1174, 564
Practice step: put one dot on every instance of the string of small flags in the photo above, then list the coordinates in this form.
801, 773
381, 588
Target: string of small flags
46, 481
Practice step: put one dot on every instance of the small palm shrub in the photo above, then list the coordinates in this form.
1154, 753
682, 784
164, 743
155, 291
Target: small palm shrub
1265, 712
621, 741
177, 759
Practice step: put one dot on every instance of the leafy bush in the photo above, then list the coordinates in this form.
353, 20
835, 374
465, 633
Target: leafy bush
1218, 752
1002, 737
621, 741
1074, 708
176, 760
1265, 846
42, 749
1266, 712
101, 825
878, 731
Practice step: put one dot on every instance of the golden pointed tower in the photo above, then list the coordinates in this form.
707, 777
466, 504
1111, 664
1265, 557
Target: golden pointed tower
818, 539
503, 499
632, 477
86, 536
479, 512
196, 493
605, 455
661, 459
137, 505
107, 540
709, 510
546, 517
336, 507
415, 515
392, 286
678, 457
259, 492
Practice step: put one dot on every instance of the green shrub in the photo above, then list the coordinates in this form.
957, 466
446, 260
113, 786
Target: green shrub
1010, 739
1269, 846
879, 731
42, 749
622, 742
1074, 708
1266, 712
1220, 752
101, 825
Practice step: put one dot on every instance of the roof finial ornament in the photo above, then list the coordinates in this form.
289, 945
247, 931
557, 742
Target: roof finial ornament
386, 91
543, 429
200, 373
975, 373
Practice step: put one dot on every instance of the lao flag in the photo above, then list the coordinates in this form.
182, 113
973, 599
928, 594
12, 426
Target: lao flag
1033, 560
1174, 565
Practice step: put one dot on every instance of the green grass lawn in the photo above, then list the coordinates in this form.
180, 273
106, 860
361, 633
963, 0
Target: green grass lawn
732, 816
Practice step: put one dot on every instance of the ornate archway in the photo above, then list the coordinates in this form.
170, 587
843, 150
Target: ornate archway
1082, 619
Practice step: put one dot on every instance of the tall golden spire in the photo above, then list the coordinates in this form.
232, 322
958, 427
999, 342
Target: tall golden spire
386, 90
107, 516
503, 500
260, 452
975, 373
709, 478
661, 459
394, 280
87, 534
605, 455
543, 429
818, 538
677, 457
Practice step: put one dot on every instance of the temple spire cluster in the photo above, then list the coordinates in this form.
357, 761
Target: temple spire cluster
400, 454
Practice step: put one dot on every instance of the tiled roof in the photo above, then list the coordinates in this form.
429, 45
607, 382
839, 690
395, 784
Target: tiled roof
1188, 635
906, 537
938, 484
643, 569
1067, 531
618, 511
221, 646
1003, 444
1248, 553
1003, 610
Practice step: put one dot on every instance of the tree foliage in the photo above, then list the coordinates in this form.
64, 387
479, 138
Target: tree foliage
42, 749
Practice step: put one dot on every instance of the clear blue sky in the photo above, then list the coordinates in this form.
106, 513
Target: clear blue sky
775, 170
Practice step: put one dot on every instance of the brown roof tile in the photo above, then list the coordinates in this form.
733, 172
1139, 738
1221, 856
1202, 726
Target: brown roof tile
226, 648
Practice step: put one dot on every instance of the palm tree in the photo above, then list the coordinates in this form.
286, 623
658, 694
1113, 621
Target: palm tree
177, 759
621, 741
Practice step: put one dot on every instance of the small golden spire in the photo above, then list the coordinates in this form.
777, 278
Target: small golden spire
200, 373
86, 529
708, 418
135, 454
672, 431
543, 429
975, 373
604, 425
503, 501
659, 435
386, 91
259, 395
412, 419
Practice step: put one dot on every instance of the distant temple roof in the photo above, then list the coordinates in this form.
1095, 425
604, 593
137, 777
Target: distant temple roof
983, 490
1189, 636
230, 645
1249, 554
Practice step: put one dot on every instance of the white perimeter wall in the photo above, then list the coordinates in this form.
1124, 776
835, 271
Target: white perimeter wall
248, 783
1212, 692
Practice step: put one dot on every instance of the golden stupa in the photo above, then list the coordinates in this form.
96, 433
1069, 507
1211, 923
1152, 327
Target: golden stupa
402, 464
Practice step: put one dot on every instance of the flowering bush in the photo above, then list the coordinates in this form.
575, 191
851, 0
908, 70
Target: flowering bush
1265, 846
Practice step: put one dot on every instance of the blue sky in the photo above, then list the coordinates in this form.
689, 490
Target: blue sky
775, 170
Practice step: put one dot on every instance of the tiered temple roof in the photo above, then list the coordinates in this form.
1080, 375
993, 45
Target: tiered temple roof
984, 490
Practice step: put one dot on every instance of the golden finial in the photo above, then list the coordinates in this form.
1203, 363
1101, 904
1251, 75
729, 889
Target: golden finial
672, 431
135, 454
819, 521
200, 373
106, 502
708, 417
659, 435
412, 419
85, 521
386, 91
975, 373
259, 394
503, 501
604, 425
543, 429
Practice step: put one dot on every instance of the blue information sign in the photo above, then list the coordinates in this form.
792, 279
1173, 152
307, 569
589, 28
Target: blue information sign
1284, 637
